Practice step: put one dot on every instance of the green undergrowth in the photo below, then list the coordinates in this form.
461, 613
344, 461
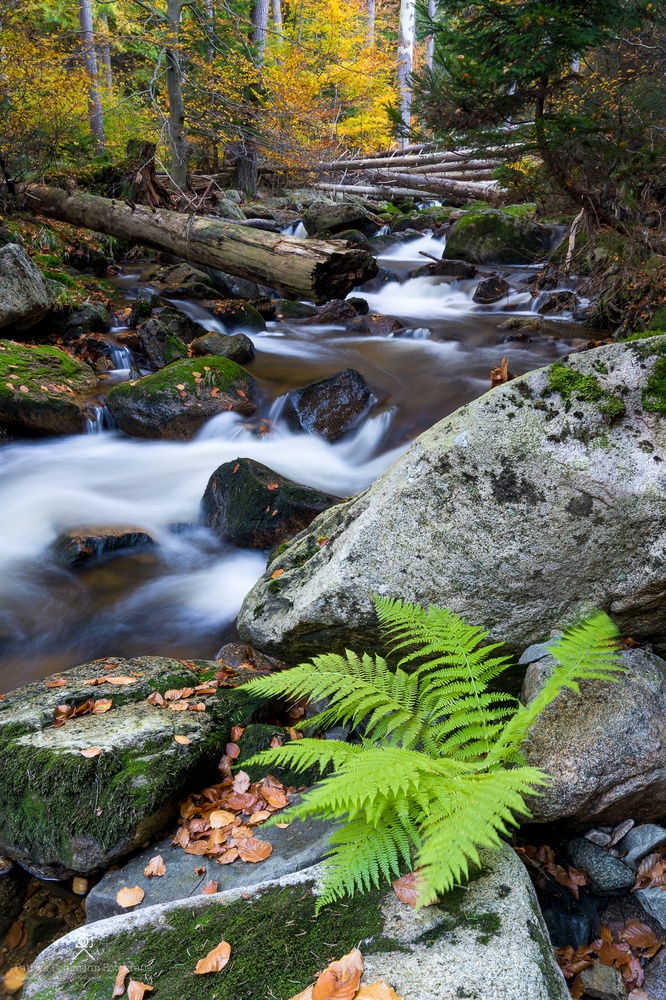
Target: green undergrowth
574, 386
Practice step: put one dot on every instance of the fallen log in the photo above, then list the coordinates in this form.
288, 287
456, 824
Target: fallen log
303, 269
450, 189
377, 191
460, 156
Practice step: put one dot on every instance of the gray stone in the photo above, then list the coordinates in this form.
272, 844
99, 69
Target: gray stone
486, 941
605, 749
228, 209
563, 480
25, 296
655, 976
236, 347
321, 218
63, 813
653, 902
13, 885
163, 337
300, 846
446, 268
330, 407
640, 841
603, 982
80, 545
494, 237
598, 837
537, 651
608, 876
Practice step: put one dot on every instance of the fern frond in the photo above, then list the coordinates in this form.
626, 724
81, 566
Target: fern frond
299, 755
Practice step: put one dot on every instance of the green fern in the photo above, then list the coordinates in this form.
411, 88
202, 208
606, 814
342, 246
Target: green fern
436, 772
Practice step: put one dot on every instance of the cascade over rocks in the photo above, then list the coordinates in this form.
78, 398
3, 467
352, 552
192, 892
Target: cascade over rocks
494, 237
520, 511
175, 402
80, 545
330, 407
25, 296
248, 504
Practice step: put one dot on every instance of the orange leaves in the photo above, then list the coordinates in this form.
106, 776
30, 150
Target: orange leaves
377, 991
652, 870
215, 960
109, 679
119, 987
130, 897
184, 741
253, 850
91, 752
63, 713
542, 858
57, 682
14, 979
155, 867
222, 817
137, 991
500, 375
233, 750
625, 946
210, 888
273, 791
406, 889
341, 980
276, 574
178, 699
15, 934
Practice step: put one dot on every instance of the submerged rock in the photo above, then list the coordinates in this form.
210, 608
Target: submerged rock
248, 504
605, 749
486, 941
236, 347
331, 407
64, 813
175, 402
25, 296
493, 237
41, 389
558, 467
289, 309
81, 545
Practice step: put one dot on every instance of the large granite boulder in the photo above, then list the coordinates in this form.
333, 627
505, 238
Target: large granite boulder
25, 296
249, 505
605, 749
176, 401
486, 940
42, 389
494, 237
66, 811
521, 511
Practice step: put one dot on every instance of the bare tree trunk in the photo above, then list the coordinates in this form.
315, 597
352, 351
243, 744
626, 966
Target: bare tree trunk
299, 269
259, 29
247, 155
210, 25
430, 39
405, 59
105, 48
277, 16
90, 62
371, 4
177, 137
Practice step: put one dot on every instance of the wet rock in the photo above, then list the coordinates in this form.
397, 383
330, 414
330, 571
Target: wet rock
337, 312
288, 309
13, 885
491, 929
653, 902
92, 317
558, 302
320, 219
79, 546
238, 347
265, 307
537, 651
160, 340
41, 389
175, 402
565, 464
603, 982
605, 749
331, 407
640, 840
491, 290
493, 237
143, 306
598, 837
571, 921
446, 269
239, 315
655, 976
64, 813
360, 305
375, 325
25, 297
228, 209
608, 876
181, 281
383, 277
231, 287
237, 654
251, 506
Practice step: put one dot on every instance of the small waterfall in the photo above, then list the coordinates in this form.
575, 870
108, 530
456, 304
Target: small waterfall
100, 421
384, 231
122, 357
295, 229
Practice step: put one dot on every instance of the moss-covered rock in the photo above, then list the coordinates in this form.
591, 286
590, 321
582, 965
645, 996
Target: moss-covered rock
175, 402
181, 281
237, 347
43, 389
164, 337
493, 237
289, 309
63, 813
321, 219
248, 504
239, 315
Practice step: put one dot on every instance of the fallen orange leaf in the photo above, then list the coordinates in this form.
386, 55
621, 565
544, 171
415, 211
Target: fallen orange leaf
57, 682
228, 857
233, 750
102, 705
210, 888
119, 987
215, 960
341, 979
91, 752
276, 574
155, 867
377, 991
221, 818
236, 733
130, 897
406, 890
137, 991
183, 740
14, 935
14, 979
254, 850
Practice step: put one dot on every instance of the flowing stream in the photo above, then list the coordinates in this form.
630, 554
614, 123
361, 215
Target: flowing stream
180, 597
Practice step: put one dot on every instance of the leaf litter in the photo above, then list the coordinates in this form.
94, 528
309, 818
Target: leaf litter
341, 980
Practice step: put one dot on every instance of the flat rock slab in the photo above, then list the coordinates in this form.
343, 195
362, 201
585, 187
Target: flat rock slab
300, 846
64, 813
486, 941
559, 468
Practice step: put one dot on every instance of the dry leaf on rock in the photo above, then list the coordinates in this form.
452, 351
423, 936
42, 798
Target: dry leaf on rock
14, 979
215, 960
377, 991
259, 817
210, 888
91, 752
220, 818
130, 897
101, 706
155, 867
253, 850
155, 699
406, 889
340, 980
56, 682
233, 750
236, 733
228, 857
639, 935
241, 782
80, 885
183, 740
137, 991
14, 935
119, 987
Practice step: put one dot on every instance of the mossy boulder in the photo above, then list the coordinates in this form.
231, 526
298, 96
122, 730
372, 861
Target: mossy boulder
91, 317
239, 315
237, 347
42, 389
321, 219
164, 337
251, 506
25, 296
486, 940
289, 309
175, 402
493, 237
63, 813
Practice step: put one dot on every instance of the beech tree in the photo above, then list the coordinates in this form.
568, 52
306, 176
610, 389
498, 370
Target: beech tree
90, 62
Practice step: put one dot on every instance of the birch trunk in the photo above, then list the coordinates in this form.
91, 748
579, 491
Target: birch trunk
95, 115
405, 61
430, 39
174, 86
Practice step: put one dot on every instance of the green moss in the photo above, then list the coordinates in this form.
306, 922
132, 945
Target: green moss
273, 587
277, 552
643, 335
256, 738
215, 372
573, 385
278, 946
654, 393
658, 321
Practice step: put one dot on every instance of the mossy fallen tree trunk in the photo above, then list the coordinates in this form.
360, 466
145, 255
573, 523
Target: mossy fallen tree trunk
299, 269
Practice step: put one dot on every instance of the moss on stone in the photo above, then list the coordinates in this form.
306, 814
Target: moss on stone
654, 393
39, 386
658, 321
573, 385
493, 237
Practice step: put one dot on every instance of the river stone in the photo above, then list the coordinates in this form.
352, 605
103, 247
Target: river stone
65, 814
25, 296
655, 976
493, 237
290, 309
320, 219
175, 402
13, 884
330, 407
653, 902
608, 876
249, 505
603, 982
80, 545
236, 347
567, 483
239, 315
181, 281
300, 846
40, 389
605, 749
491, 290
641, 840
161, 338
91, 317
447, 269
486, 941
